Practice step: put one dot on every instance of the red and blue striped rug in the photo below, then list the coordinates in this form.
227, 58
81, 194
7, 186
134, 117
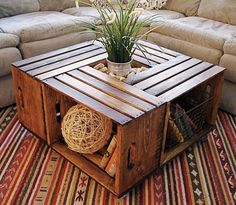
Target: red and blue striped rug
32, 173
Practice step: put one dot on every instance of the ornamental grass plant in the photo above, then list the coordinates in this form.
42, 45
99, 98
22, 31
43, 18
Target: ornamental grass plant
120, 30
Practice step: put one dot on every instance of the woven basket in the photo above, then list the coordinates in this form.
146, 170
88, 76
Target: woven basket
84, 130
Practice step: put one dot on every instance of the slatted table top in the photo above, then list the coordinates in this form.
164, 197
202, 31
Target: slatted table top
69, 71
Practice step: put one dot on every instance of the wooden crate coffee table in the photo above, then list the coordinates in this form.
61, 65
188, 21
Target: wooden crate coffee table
47, 85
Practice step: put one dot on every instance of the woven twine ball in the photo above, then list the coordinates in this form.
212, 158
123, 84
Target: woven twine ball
84, 130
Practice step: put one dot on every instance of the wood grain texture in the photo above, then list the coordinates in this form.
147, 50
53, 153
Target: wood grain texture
87, 101
29, 102
50, 54
112, 91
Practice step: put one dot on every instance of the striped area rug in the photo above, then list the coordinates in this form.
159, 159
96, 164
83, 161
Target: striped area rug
32, 173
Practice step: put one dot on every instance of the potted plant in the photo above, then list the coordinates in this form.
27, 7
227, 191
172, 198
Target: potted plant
119, 33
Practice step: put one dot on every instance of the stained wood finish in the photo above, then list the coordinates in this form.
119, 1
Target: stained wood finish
88, 167
48, 85
139, 150
51, 54
29, 102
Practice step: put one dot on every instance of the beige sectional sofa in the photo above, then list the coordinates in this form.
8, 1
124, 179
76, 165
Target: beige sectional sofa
208, 32
31, 27
205, 29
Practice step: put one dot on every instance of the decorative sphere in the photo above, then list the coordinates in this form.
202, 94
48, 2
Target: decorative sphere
84, 130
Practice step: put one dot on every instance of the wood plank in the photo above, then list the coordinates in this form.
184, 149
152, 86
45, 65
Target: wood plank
138, 141
58, 58
112, 91
29, 104
65, 62
95, 158
150, 57
88, 167
71, 66
156, 69
167, 74
121, 86
190, 84
178, 79
157, 53
143, 60
100, 96
51, 54
87, 101
158, 48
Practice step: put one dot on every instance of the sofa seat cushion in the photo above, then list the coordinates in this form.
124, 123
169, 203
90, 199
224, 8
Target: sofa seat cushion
197, 30
92, 14
161, 15
230, 46
41, 25
8, 56
229, 62
8, 40
89, 12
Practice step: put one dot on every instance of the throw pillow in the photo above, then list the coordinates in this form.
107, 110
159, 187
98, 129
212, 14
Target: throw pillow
151, 4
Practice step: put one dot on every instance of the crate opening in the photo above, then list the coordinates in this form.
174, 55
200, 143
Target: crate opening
188, 116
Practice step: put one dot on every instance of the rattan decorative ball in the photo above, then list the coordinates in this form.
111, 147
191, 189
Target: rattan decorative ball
84, 130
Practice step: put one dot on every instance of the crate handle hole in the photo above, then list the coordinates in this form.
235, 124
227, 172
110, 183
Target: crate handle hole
20, 94
131, 156
58, 111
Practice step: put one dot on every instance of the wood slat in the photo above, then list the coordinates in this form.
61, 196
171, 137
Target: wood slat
156, 69
66, 62
87, 101
143, 60
167, 74
159, 48
73, 66
51, 54
150, 57
100, 96
121, 86
190, 84
157, 53
58, 58
88, 167
112, 91
177, 79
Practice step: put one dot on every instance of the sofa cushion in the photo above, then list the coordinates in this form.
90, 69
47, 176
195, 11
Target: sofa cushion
8, 56
89, 12
93, 15
56, 5
14, 7
8, 40
194, 50
187, 7
224, 11
38, 47
230, 47
197, 30
229, 62
42, 25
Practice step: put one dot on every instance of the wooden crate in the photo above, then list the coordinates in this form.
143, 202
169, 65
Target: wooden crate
48, 85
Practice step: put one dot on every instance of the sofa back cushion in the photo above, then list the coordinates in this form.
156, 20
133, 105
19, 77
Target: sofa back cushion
187, 7
56, 5
14, 7
219, 10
